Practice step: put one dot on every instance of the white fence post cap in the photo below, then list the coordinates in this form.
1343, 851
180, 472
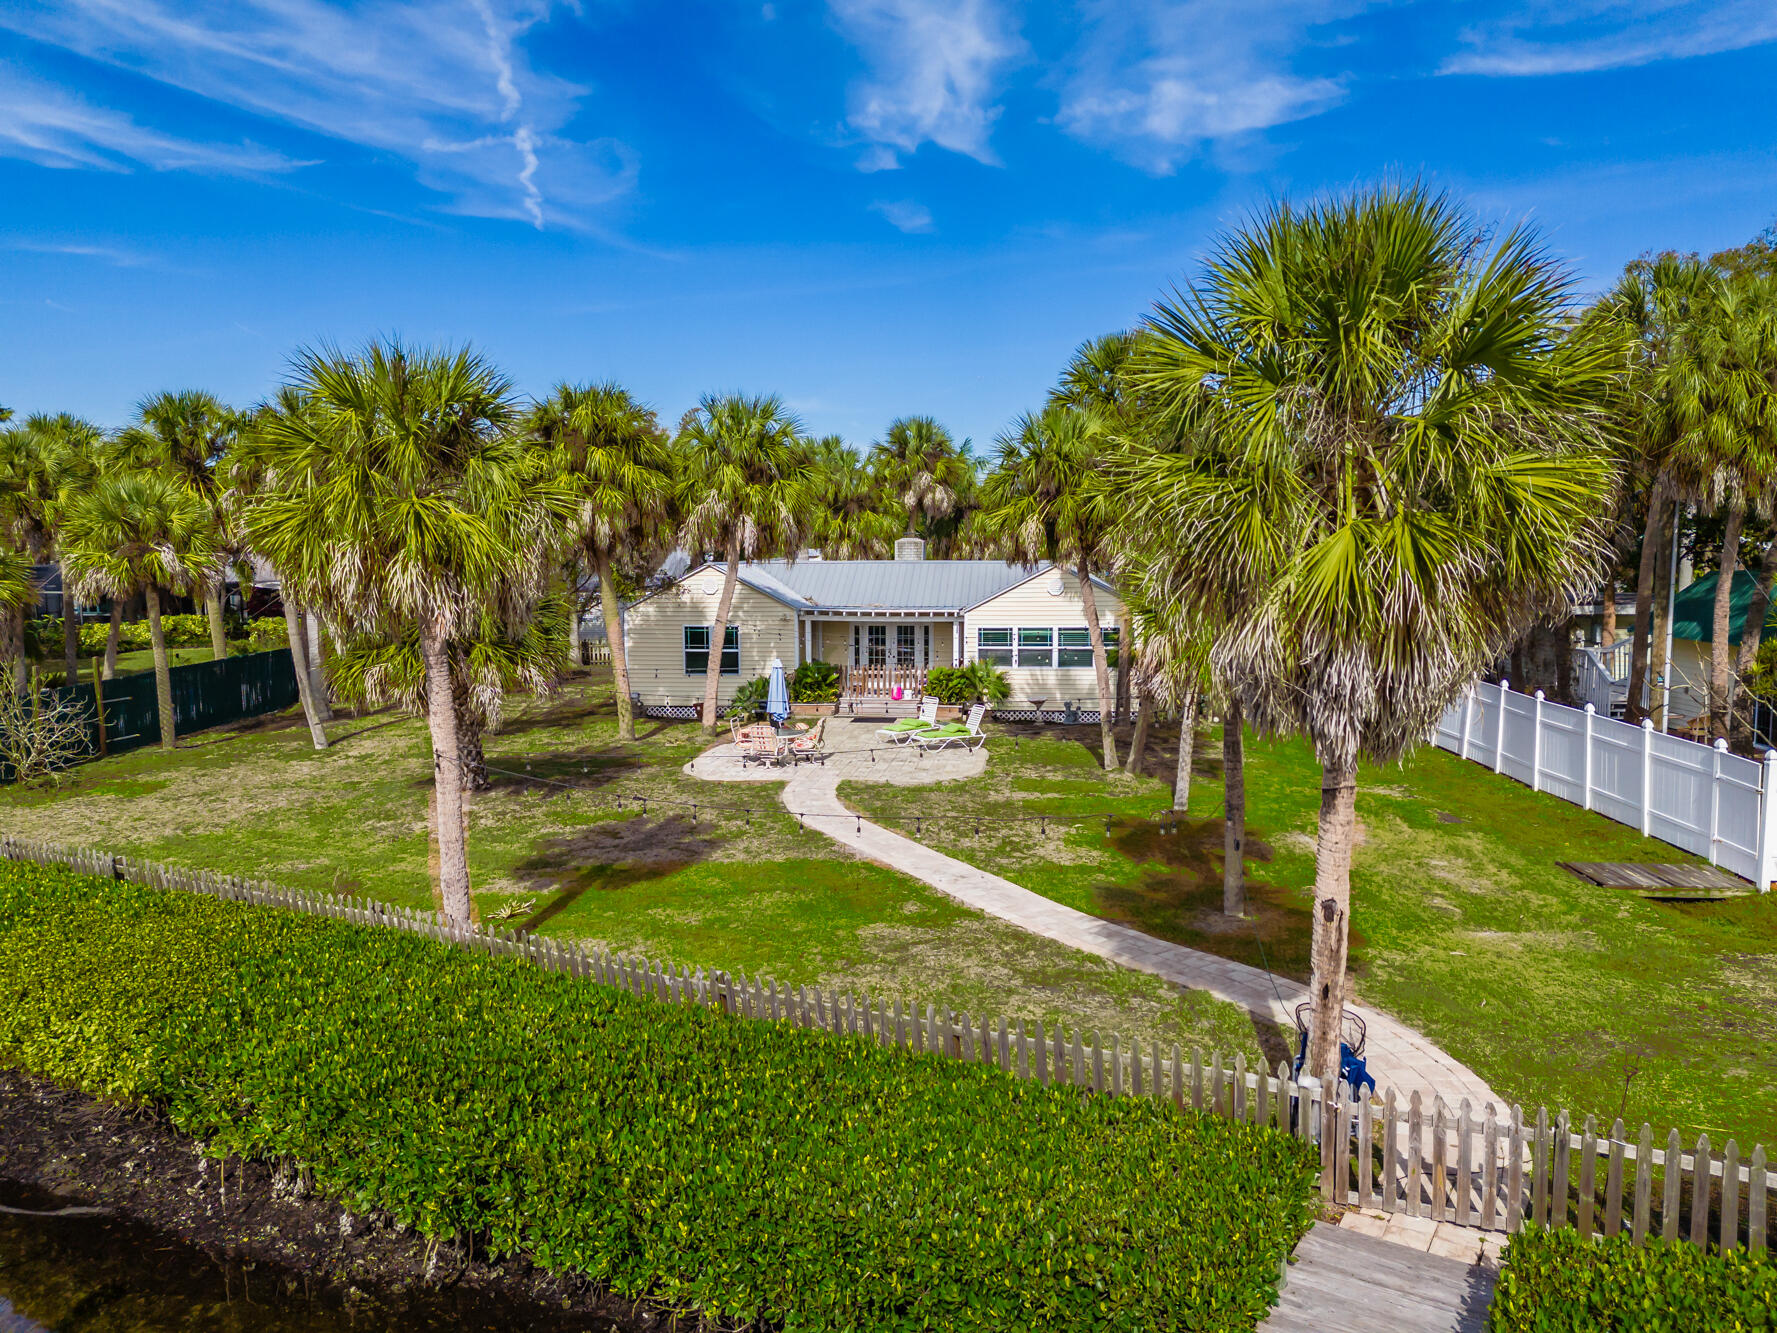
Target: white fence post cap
1647, 724
1591, 708
1539, 696
1721, 744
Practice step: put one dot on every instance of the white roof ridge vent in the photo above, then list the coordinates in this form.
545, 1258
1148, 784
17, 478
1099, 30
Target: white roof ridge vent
910, 548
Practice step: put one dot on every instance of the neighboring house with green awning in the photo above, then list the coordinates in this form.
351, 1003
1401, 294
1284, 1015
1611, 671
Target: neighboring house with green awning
1693, 633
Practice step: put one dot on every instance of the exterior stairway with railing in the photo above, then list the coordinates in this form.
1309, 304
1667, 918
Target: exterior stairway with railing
1601, 678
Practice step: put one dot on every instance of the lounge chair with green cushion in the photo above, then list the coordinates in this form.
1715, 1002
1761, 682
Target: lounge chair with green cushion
899, 733
966, 734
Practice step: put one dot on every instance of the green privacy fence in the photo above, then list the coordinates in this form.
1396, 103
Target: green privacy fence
205, 694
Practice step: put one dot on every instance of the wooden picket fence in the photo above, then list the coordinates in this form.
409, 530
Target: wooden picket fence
1454, 1165
1477, 1169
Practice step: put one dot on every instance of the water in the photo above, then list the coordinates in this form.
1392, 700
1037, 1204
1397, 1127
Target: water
105, 1274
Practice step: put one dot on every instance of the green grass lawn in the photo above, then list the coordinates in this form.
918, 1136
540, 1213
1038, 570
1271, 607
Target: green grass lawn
759, 896
1554, 990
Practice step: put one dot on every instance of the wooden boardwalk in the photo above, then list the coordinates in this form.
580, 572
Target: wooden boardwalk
1358, 1284
1660, 881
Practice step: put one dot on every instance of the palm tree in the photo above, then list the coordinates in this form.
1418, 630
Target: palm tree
1409, 469
140, 532
1722, 391
245, 470
1039, 503
53, 459
1653, 303
745, 492
186, 433
615, 460
496, 660
918, 462
401, 500
852, 516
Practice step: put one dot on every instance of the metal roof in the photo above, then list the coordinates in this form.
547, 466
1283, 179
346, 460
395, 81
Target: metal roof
885, 585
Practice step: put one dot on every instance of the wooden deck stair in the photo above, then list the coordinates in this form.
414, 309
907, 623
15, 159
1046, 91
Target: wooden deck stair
1359, 1284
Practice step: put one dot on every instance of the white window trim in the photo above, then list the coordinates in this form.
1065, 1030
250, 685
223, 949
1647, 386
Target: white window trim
685, 649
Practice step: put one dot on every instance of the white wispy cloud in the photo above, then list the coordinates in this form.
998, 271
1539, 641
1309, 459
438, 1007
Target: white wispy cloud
57, 128
935, 69
905, 214
1580, 36
445, 86
1155, 79
104, 254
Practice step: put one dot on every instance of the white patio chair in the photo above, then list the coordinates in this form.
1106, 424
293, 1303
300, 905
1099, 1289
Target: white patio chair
899, 733
966, 734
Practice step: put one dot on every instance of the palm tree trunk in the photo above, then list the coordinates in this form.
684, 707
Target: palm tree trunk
70, 637
1332, 916
21, 669
1720, 680
1138, 743
1101, 671
163, 681
1607, 627
1634, 708
1658, 665
469, 727
1125, 664
218, 634
311, 656
1233, 811
447, 782
1187, 746
626, 714
1751, 634
111, 635
719, 633
299, 664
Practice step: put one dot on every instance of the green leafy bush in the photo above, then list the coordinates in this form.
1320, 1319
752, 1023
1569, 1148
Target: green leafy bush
950, 685
43, 635
989, 682
1559, 1281
814, 683
740, 1168
267, 633
750, 697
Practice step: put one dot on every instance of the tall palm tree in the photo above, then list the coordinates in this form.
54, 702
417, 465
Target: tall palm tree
27, 514
56, 459
1653, 303
852, 516
1040, 503
1097, 377
920, 464
615, 460
496, 659
140, 532
402, 500
1410, 470
186, 433
745, 491
1722, 392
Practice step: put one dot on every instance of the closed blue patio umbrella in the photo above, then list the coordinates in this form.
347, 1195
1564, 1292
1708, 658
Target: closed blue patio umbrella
777, 693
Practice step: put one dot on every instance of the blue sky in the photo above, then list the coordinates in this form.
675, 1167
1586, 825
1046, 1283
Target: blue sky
870, 207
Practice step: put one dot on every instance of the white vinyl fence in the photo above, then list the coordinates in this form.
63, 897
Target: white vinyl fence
1698, 797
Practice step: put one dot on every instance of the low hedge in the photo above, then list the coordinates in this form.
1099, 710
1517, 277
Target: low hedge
1554, 1281
43, 634
739, 1168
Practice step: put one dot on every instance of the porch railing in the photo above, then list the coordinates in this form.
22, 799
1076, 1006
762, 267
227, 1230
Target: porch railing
880, 682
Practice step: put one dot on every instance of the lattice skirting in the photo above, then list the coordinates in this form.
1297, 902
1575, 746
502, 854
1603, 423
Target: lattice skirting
1057, 716
679, 712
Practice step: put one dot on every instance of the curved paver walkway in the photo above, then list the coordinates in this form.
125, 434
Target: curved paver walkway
1398, 1056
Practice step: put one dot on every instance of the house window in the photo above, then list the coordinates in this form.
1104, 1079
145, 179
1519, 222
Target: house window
994, 645
697, 651
906, 646
1036, 647
1075, 648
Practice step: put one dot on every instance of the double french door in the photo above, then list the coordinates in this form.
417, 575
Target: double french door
887, 656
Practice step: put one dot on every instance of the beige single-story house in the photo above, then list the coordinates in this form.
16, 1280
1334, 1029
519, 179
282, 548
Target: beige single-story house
884, 623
